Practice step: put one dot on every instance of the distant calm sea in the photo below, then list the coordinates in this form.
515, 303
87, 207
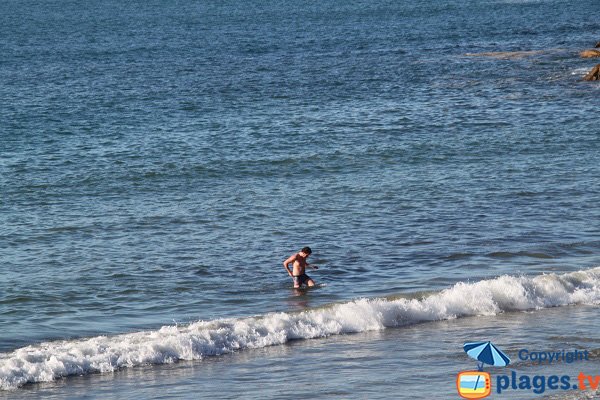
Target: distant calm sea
160, 159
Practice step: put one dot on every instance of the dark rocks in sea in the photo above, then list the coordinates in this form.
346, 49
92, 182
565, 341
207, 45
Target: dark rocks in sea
597, 44
594, 74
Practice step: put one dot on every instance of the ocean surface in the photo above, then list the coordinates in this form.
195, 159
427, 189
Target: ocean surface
160, 159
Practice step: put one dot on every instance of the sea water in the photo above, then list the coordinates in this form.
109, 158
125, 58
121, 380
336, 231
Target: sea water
159, 160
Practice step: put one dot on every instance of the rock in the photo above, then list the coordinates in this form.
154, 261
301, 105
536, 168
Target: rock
590, 53
520, 55
597, 44
507, 55
594, 74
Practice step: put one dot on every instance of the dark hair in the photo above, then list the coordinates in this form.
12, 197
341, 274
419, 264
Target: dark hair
306, 250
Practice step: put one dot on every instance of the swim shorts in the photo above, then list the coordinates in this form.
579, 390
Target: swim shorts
301, 280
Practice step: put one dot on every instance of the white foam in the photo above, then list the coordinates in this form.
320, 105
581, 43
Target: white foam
49, 361
581, 71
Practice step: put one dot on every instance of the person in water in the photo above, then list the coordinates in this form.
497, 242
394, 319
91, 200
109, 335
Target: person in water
299, 268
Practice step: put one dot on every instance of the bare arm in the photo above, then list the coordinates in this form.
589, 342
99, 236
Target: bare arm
311, 266
287, 262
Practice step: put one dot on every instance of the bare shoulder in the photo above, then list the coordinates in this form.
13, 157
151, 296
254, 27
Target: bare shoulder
292, 257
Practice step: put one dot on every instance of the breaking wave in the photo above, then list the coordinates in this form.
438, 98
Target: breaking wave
46, 362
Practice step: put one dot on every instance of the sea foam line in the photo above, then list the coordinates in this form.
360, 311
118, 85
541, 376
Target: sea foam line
46, 362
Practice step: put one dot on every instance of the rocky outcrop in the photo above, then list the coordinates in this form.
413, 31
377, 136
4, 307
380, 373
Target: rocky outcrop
590, 53
509, 55
594, 74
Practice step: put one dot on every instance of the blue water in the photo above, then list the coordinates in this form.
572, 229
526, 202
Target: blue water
159, 160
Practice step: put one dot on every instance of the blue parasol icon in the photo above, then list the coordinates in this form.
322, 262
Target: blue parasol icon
486, 353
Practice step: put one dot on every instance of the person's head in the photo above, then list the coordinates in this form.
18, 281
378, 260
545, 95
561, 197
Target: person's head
306, 250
